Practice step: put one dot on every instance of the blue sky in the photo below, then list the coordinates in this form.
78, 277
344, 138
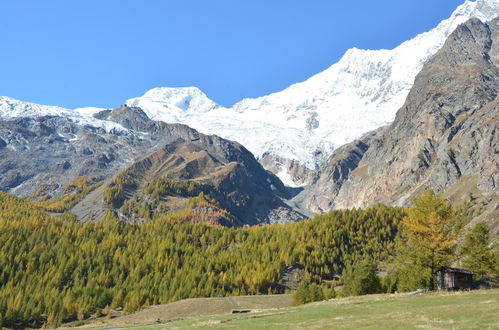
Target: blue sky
99, 53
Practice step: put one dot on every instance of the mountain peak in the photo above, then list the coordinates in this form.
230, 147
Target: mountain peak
168, 92
485, 10
171, 104
487, 7
308, 120
304, 123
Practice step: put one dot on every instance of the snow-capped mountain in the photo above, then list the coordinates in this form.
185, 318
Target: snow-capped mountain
294, 131
308, 120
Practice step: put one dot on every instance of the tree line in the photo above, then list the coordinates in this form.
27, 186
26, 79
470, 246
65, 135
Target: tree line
53, 270
426, 241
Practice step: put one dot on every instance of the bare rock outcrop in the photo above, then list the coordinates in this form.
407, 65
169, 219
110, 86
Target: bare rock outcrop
445, 137
322, 194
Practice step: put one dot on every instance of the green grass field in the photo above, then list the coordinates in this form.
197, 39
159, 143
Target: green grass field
459, 310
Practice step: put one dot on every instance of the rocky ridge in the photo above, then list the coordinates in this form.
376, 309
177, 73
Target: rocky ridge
444, 138
50, 151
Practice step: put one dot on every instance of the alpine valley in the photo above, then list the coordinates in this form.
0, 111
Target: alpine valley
378, 126
369, 177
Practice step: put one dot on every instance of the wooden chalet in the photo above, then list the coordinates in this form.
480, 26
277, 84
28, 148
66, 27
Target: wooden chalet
454, 279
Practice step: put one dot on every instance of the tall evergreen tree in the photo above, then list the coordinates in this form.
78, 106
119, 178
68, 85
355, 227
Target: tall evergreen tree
360, 278
478, 257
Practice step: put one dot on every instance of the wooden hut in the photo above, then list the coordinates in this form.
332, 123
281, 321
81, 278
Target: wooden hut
454, 279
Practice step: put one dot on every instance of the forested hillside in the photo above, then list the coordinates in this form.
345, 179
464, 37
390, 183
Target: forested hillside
53, 270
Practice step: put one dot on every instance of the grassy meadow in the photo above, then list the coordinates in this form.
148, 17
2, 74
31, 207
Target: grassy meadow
454, 310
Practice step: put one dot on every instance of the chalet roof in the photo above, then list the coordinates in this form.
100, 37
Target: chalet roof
455, 270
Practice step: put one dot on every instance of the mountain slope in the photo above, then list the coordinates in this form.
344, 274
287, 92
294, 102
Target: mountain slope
172, 178
223, 170
320, 196
444, 138
307, 121
49, 151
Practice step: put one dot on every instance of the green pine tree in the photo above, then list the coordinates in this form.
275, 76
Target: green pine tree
478, 257
360, 278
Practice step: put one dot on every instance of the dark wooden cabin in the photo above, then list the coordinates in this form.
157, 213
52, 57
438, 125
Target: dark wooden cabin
454, 279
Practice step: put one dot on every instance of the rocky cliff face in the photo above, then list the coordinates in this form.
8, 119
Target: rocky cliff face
323, 193
444, 138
